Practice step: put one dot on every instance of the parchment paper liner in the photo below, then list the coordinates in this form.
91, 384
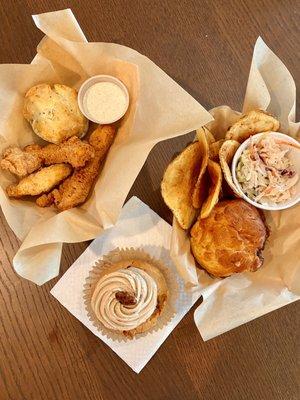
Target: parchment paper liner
103, 266
65, 56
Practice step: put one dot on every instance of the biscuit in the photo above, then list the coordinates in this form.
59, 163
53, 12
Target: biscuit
53, 112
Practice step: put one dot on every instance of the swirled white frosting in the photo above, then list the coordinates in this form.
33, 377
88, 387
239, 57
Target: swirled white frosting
116, 316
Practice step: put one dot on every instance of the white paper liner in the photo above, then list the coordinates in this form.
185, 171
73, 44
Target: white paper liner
104, 265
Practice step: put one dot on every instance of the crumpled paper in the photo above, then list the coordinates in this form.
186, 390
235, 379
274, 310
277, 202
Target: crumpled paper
138, 226
159, 109
233, 301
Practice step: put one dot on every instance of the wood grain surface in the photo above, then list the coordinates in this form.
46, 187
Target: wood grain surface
45, 353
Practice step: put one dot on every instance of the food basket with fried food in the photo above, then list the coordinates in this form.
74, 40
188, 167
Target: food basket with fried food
229, 234
69, 162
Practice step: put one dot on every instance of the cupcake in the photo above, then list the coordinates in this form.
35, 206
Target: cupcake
127, 294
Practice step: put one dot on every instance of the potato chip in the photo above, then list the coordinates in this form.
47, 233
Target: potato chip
253, 122
178, 184
214, 149
203, 136
209, 136
228, 148
215, 178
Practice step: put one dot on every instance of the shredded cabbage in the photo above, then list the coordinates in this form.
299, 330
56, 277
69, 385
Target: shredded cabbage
265, 172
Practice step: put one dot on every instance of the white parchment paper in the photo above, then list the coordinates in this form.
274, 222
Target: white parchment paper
137, 226
243, 297
159, 109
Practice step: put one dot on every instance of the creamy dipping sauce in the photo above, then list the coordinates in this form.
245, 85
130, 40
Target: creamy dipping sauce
105, 102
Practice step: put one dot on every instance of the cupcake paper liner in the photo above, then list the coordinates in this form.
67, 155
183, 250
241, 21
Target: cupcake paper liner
104, 266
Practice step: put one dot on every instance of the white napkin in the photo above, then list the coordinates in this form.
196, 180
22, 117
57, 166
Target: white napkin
137, 226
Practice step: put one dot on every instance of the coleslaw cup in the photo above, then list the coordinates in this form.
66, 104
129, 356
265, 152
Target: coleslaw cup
295, 158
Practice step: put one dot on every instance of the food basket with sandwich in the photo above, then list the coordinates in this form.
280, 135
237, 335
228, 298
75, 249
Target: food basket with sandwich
234, 193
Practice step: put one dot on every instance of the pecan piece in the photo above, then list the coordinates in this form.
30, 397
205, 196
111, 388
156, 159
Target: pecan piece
126, 298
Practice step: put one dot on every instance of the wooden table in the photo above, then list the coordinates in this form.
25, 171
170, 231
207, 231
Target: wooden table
45, 353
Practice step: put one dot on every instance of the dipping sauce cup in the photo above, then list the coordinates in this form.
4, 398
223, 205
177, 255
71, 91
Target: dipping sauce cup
103, 99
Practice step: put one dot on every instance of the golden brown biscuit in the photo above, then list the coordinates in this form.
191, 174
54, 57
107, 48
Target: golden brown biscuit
230, 240
53, 112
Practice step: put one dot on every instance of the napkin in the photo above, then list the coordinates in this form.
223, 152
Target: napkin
137, 226
233, 301
159, 109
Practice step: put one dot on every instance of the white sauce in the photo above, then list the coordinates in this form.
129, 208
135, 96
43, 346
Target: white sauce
105, 102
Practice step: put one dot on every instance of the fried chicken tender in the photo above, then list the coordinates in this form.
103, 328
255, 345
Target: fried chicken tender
41, 181
45, 200
73, 151
20, 162
75, 189
23, 162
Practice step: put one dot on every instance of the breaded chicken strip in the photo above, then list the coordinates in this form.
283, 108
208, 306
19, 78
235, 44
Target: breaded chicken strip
45, 200
73, 151
21, 163
41, 181
74, 190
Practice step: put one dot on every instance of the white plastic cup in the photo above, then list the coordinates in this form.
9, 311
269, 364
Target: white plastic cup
92, 81
295, 158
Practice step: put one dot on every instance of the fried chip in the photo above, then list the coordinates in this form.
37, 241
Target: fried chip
199, 192
253, 122
209, 136
214, 149
226, 153
215, 178
178, 184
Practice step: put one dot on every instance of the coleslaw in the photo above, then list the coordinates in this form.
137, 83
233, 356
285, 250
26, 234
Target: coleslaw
265, 172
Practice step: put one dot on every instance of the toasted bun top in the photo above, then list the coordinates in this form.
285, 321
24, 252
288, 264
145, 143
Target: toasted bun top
230, 239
